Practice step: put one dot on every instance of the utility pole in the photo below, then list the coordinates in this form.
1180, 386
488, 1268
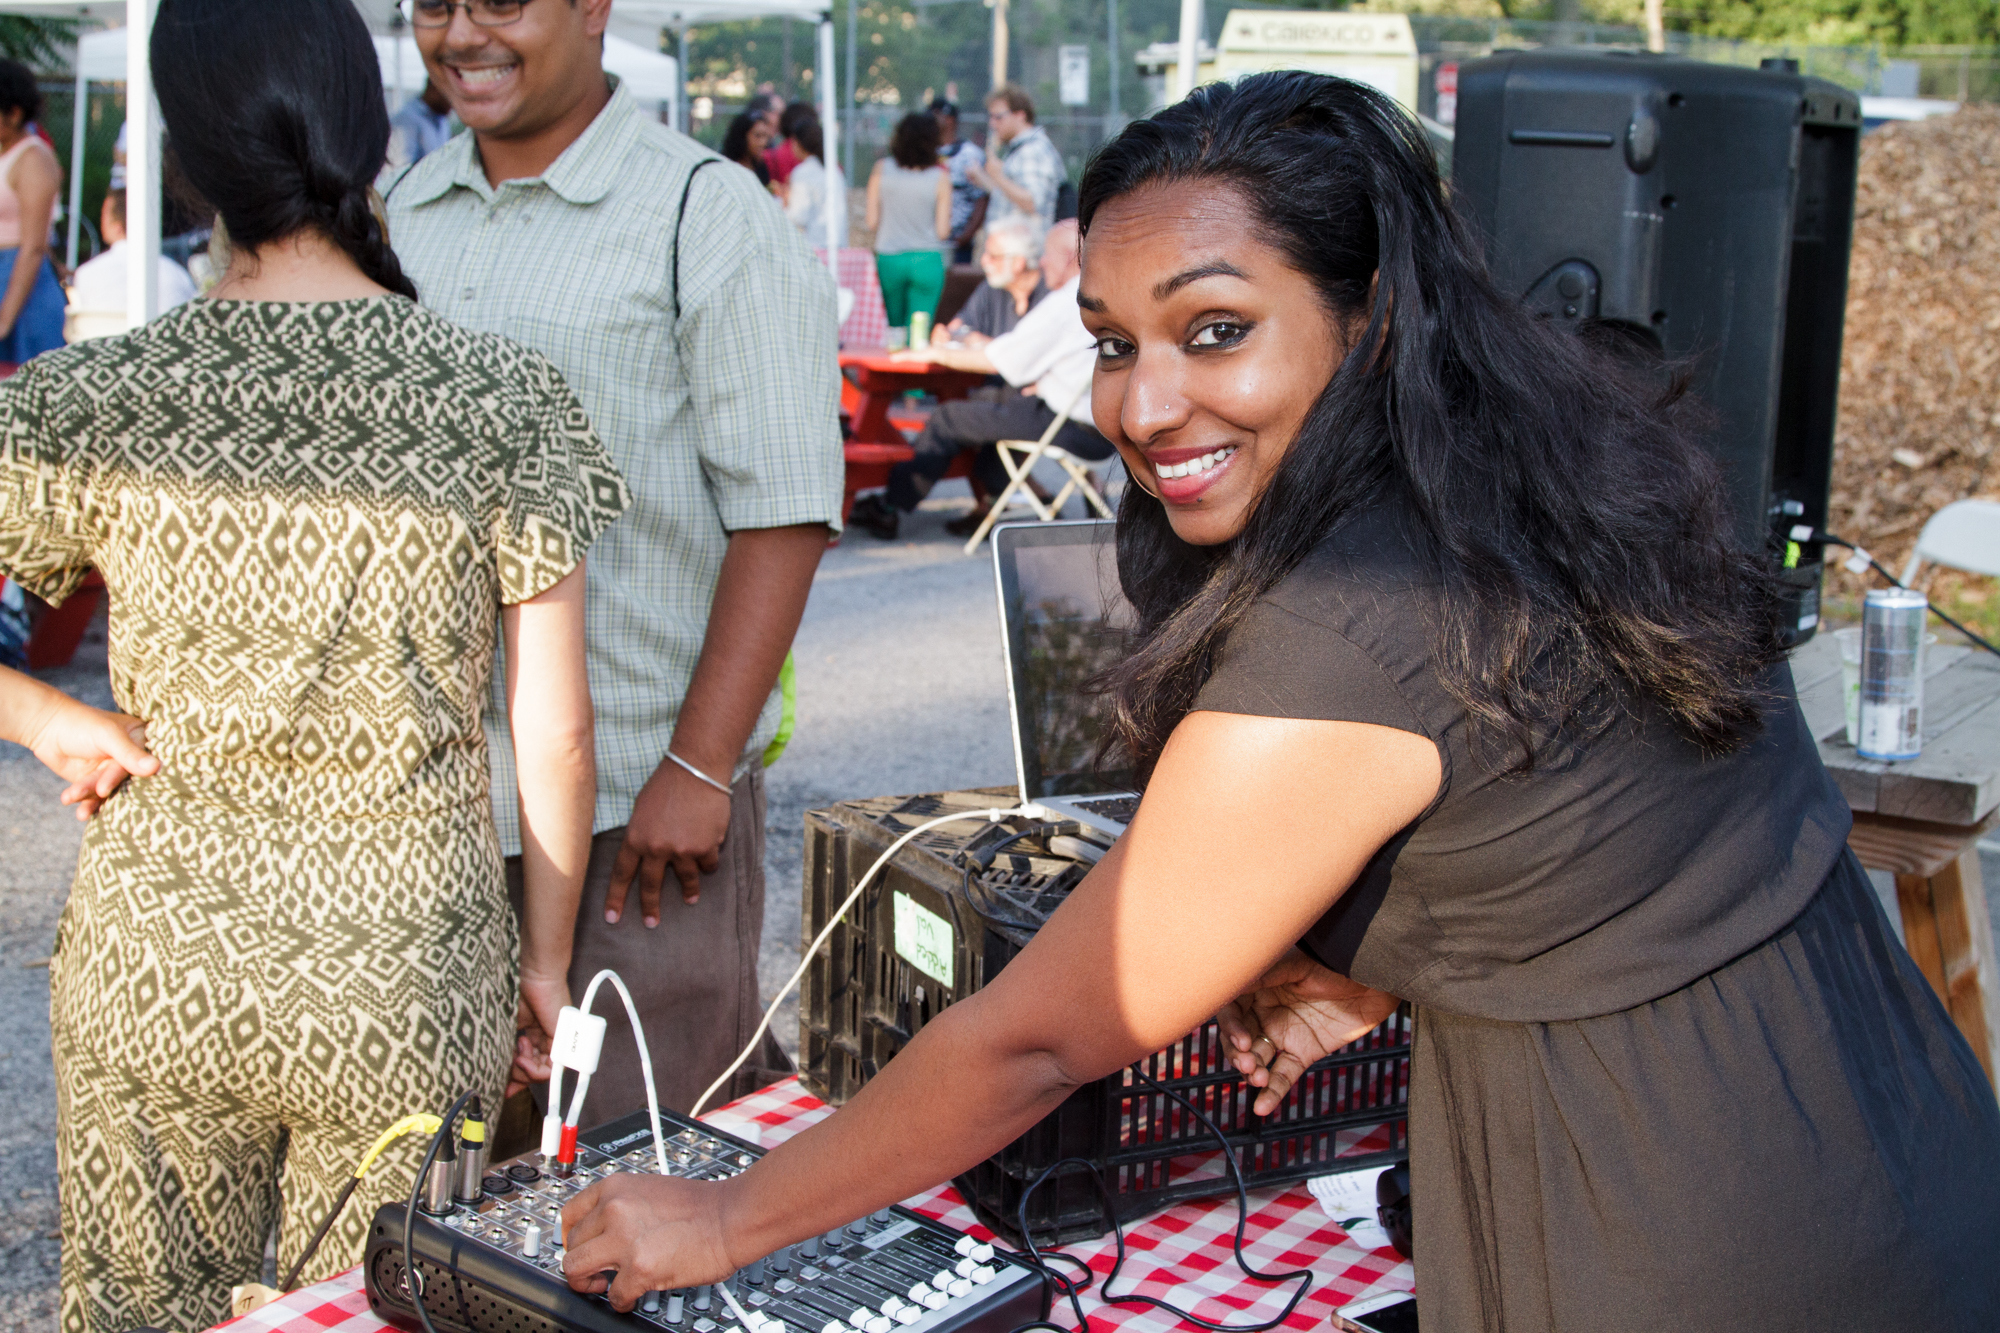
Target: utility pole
999, 41
1187, 71
853, 97
1114, 114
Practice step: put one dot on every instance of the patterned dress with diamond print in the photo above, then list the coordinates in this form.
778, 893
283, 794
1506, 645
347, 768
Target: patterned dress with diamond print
307, 516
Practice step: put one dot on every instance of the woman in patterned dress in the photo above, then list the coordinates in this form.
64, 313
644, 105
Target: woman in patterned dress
309, 498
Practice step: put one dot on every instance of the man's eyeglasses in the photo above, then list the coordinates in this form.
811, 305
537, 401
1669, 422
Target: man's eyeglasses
485, 13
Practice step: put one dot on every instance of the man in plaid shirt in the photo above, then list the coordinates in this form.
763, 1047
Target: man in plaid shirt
672, 294
1023, 184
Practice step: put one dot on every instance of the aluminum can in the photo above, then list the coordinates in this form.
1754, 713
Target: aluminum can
920, 329
1892, 674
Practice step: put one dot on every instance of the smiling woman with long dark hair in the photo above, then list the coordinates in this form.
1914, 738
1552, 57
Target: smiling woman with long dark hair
1452, 686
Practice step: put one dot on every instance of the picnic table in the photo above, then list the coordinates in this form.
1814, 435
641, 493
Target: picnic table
1181, 1254
871, 384
1921, 820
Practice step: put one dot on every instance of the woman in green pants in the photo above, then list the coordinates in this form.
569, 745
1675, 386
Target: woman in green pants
909, 210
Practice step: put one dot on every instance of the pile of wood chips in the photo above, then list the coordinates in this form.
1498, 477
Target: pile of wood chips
1920, 371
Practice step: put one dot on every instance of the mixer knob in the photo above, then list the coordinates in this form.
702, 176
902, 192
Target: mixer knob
651, 1305
781, 1261
909, 1314
983, 1275
531, 1242
943, 1279
676, 1307
878, 1324
833, 1326
959, 1286
860, 1316
884, 1216
809, 1249
919, 1291
937, 1300
754, 1274
703, 1299
858, 1227
964, 1245
964, 1267
983, 1253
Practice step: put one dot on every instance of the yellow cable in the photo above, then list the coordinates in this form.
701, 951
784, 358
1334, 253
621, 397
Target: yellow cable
422, 1120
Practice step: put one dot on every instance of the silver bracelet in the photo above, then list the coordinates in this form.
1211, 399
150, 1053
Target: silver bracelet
721, 787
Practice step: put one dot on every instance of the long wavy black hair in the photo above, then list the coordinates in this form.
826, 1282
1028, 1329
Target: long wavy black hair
274, 114
1579, 532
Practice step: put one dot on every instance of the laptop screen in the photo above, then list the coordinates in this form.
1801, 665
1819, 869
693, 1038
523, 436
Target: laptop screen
1064, 620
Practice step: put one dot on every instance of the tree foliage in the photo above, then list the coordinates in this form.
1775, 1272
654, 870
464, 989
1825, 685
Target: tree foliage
39, 43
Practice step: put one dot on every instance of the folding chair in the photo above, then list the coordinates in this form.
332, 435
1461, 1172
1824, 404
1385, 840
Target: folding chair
1020, 474
1965, 534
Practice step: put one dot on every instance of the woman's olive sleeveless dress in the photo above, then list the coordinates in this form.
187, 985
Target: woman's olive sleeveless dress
1673, 1070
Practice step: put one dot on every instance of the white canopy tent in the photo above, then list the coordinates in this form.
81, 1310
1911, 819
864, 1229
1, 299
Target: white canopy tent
630, 19
142, 143
637, 19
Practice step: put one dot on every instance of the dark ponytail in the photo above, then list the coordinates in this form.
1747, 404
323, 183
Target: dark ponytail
1579, 534
274, 113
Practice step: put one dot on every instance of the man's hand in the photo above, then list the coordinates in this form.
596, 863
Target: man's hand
1298, 1012
542, 1001
677, 824
631, 1234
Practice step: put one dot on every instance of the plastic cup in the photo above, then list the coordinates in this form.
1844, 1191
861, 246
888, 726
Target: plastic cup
1850, 676
1850, 679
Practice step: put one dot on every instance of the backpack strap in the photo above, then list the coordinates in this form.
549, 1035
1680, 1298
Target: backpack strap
679, 221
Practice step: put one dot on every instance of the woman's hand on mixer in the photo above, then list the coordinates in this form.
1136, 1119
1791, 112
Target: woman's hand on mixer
1298, 1012
632, 1234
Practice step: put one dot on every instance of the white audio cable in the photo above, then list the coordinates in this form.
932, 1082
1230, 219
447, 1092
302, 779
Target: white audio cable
992, 816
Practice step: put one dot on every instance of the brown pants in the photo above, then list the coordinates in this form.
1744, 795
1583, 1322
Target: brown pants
693, 977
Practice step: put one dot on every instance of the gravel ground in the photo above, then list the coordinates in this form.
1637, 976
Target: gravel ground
901, 690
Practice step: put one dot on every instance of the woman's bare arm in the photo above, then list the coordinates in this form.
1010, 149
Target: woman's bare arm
549, 713
1250, 829
944, 206
35, 179
874, 209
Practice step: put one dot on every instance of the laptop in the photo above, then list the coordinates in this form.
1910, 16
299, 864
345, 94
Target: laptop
1063, 619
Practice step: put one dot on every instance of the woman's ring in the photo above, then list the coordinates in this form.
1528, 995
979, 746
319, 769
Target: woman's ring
1267, 1041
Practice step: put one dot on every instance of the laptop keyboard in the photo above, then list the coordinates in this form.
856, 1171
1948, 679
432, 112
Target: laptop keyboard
1121, 807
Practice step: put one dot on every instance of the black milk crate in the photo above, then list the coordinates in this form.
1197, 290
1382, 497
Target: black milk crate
864, 999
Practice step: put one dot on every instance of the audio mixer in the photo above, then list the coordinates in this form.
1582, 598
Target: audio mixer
495, 1266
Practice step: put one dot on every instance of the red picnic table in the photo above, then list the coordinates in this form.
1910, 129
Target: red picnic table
871, 382
1180, 1255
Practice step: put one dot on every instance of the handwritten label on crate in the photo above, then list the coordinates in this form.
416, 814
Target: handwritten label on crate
923, 938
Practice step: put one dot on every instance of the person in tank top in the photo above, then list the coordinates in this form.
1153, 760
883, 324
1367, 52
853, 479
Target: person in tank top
31, 302
909, 210
1449, 683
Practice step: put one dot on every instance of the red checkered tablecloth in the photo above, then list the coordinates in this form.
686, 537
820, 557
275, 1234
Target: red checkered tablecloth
867, 324
1181, 1255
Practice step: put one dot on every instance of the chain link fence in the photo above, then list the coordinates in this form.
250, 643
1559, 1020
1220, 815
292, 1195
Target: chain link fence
907, 51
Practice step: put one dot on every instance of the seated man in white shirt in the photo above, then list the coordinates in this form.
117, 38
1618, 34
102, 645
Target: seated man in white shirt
97, 291
1046, 360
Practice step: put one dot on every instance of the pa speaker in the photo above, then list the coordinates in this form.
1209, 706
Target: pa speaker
1709, 206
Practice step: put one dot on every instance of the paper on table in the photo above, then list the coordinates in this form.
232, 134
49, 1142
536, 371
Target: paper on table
1349, 1199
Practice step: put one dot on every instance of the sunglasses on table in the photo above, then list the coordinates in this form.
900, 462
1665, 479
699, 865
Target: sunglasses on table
485, 13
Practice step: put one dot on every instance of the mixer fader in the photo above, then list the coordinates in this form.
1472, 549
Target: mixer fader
496, 1266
